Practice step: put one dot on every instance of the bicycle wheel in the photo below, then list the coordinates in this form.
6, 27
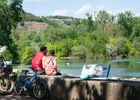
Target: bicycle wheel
18, 88
6, 86
39, 89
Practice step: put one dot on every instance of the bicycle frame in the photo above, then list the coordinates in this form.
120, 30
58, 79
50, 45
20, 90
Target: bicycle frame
27, 81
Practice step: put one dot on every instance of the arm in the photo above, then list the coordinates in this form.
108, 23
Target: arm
43, 62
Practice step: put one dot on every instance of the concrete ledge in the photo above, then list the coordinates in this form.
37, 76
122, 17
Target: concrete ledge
73, 88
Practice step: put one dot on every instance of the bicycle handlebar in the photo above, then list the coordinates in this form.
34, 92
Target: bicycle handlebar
33, 69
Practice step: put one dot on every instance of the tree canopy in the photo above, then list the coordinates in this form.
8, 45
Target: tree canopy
10, 15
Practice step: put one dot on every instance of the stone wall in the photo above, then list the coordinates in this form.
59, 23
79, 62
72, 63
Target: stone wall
72, 88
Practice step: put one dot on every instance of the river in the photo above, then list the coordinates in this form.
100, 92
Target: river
119, 68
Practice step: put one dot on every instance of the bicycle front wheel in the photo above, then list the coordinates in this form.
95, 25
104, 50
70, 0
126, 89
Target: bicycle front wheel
18, 88
6, 86
39, 89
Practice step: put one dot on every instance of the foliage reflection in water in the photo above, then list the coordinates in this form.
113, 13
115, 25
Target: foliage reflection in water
119, 68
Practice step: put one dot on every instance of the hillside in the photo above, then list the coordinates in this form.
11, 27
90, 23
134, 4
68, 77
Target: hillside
32, 25
32, 22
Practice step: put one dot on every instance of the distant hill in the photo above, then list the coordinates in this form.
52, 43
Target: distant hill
32, 25
32, 22
31, 17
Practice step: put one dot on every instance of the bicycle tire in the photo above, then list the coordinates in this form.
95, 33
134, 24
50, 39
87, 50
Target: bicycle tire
39, 89
7, 86
18, 88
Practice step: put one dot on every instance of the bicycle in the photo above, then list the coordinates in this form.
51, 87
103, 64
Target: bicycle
6, 77
31, 84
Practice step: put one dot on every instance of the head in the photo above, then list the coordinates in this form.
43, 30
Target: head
43, 49
52, 52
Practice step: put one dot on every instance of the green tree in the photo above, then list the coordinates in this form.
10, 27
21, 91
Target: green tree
100, 39
72, 34
76, 22
90, 23
103, 18
135, 29
10, 15
123, 47
136, 45
79, 51
27, 54
127, 23
111, 47
53, 34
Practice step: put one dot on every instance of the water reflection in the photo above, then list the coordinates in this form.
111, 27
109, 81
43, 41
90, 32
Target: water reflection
119, 68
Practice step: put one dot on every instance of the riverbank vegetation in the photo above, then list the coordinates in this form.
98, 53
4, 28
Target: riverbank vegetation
97, 36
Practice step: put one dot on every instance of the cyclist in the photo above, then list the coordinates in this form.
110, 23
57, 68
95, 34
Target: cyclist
37, 59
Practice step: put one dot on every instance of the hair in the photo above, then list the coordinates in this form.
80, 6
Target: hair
52, 52
43, 48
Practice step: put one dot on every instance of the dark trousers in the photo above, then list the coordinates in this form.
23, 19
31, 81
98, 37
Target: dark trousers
58, 73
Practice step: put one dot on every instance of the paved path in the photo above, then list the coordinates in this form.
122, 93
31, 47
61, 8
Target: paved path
12, 97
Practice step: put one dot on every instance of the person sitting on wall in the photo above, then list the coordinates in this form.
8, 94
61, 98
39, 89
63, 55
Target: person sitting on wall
37, 60
50, 64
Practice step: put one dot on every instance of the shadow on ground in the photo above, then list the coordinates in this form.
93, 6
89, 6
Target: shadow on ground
11, 97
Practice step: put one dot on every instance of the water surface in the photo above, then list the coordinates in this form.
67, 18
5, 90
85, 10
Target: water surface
119, 68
